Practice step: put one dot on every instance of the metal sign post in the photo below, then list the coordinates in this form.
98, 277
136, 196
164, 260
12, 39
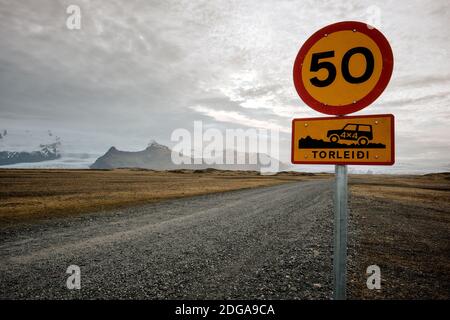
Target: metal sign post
340, 233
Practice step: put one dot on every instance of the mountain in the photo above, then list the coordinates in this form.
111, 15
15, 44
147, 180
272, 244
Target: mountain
25, 147
159, 157
155, 156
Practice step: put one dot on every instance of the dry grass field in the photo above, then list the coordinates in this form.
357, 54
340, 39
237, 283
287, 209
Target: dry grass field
26, 195
401, 224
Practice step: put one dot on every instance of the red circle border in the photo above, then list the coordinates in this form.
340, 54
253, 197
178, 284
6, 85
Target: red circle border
386, 72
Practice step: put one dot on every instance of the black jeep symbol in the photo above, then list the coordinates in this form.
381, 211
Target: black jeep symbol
352, 131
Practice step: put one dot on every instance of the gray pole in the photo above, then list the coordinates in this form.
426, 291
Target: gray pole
340, 233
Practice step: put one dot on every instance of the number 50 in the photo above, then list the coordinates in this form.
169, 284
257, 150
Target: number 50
316, 65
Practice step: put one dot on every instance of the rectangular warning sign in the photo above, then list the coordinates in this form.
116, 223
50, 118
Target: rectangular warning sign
344, 140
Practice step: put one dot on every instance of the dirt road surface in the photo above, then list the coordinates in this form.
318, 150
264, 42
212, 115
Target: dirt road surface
270, 243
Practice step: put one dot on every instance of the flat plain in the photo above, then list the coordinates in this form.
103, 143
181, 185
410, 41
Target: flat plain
28, 195
401, 224
232, 234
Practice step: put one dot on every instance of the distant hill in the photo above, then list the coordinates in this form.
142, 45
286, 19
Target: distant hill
159, 157
27, 147
155, 156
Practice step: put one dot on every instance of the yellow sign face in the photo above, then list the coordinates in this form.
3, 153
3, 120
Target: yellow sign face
365, 63
344, 140
343, 68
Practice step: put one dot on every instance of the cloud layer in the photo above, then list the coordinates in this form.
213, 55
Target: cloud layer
137, 70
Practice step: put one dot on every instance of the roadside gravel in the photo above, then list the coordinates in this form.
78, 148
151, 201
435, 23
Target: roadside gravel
264, 243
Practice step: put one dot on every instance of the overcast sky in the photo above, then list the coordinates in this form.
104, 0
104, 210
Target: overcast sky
137, 70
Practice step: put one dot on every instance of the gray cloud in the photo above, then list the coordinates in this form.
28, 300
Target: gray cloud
137, 69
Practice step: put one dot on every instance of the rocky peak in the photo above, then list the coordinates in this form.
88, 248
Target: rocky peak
112, 149
153, 145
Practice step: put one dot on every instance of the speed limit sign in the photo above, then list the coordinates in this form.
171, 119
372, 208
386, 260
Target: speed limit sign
342, 68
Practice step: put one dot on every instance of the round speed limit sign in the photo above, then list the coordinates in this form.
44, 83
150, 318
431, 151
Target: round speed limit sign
343, 68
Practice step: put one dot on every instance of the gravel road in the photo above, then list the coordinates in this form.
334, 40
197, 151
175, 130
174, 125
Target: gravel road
267, 243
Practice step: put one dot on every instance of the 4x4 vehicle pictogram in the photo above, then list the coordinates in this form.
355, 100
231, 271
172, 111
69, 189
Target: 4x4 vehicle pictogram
362, 133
